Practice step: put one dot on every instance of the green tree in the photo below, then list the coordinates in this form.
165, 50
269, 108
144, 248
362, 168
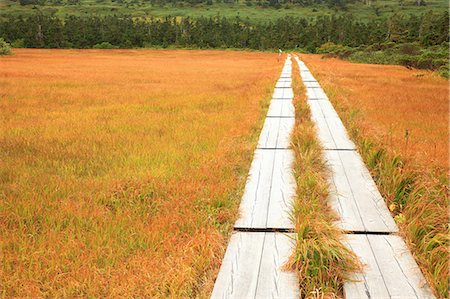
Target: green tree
5, 48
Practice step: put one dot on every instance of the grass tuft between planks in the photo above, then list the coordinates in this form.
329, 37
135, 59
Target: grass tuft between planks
321, 260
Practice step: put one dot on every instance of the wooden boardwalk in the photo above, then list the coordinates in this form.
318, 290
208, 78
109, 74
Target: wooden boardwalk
261, 244
390, 269
259, 247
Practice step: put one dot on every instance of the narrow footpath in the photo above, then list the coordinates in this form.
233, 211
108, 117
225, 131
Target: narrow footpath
390, 270
262, 242
260, 246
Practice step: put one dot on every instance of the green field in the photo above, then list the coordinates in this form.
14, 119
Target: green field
255, 13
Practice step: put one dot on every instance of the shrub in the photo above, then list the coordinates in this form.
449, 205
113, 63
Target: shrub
424, 61
104, 45
330, 47
444, 71
335, 49
376, 57
409, 49
380, 46
5, 48
18, 43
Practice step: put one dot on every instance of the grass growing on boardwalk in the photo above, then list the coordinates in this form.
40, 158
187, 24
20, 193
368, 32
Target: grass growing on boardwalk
121, 171
320, 258
377, 105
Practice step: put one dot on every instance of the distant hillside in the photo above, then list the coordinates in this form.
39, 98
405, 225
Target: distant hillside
255, 10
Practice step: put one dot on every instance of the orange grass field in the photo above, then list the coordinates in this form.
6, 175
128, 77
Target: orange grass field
378, 103
121, 171
393, 99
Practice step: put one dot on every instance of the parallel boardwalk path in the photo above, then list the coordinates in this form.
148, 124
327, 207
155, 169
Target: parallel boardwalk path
258, 249
390, 271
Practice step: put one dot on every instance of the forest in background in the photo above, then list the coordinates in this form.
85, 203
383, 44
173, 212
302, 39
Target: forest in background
414, 41
254, 10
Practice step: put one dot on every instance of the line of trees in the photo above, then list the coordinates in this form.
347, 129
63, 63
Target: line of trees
41, 31
337, 4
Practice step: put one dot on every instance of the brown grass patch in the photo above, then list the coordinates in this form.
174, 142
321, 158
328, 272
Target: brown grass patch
121, 171
391, 100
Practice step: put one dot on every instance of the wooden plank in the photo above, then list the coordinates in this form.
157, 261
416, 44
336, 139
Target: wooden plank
301, 64
390, 272
354, 195
239, 272
252, 267
311, 84
283, 94
283, 84
330, 129
316, 94
281, 109
322, 108
332, 134
276, 133
282, 192
371, 280
272, 281
269, 191
287, 69
307, 76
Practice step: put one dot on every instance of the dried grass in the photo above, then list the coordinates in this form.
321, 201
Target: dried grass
121, 171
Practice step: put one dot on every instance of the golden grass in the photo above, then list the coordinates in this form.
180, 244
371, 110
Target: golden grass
392, 99
322, 261
121, 171
377, 104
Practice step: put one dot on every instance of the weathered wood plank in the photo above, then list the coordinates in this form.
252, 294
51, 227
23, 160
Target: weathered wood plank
276, 133
273, 282
287, 69
283, 94
322, 108
390, 272
269, 191
331, 130
332, 134
239, 272
282, 192
252, 267
307, 77
311, 84
283, 84
301, 64
354, 195
315, 94
281, 109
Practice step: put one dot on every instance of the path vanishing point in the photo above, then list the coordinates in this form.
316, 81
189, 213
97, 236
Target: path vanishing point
263, 237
